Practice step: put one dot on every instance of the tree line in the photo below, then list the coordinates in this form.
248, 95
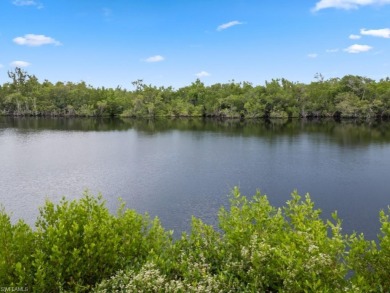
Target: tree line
79, 246
351, 96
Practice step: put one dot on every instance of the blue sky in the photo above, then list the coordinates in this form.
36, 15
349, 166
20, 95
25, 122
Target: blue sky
173, 42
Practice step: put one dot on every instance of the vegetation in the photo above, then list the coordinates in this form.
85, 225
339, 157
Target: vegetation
350, 96
78, 246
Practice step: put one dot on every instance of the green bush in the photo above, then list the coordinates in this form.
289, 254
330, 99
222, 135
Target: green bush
371, 265
79, 246
16, 249
284, 249
76, 244
259, 249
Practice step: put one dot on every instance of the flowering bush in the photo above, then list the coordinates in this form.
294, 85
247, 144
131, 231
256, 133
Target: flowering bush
78, 246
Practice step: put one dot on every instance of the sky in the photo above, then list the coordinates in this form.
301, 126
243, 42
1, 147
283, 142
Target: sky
112, 43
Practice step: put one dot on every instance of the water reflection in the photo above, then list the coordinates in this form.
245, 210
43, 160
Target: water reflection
345, 132
175, 168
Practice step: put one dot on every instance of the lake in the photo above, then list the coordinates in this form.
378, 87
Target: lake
174, 169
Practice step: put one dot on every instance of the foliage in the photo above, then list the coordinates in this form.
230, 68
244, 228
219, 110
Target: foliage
370, 264
348, 97
285, 249
150, 279
78, 246
16, 248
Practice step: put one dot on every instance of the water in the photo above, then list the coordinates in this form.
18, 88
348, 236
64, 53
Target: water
174, 169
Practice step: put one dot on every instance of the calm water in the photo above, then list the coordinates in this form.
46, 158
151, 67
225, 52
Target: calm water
178, 168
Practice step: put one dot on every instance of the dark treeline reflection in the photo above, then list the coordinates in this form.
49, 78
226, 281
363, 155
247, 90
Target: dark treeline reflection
67, 124
345, 132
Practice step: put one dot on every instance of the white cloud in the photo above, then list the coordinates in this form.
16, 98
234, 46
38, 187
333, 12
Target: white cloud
107, 13
227, 25
332, 50
157, 58
312, 55
358, 48
354, 37
202, 74
20, 64
382, 33
27, 3
347, 4
24, 3
35, 40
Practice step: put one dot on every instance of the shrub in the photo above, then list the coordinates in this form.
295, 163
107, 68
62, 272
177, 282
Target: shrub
285, 249
259, 249
16, 248
371, 265
77, 244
